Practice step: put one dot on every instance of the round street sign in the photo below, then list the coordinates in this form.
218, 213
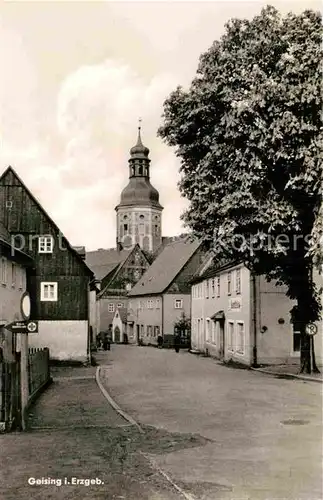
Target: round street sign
311, 329
31, 326
25, 305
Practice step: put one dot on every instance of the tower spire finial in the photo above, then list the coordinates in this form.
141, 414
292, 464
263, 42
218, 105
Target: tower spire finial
139, 143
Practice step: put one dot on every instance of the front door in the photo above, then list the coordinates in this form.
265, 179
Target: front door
138, 333
222, 340
117, 334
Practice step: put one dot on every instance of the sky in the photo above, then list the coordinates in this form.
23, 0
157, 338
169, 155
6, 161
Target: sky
75, 78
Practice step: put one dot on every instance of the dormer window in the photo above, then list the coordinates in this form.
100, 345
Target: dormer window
45, 244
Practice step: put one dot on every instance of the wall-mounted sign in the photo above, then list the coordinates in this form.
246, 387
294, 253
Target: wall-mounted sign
25, 305
235, 304
23, 327
311, 329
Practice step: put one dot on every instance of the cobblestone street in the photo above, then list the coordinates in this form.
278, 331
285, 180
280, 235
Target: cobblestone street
265, 432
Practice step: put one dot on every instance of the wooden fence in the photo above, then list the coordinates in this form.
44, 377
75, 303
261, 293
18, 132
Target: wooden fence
23, 374
10, 394
38, 369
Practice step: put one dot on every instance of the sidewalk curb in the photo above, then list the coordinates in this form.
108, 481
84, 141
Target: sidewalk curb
187, 496
113, 403
289, 375
133, 422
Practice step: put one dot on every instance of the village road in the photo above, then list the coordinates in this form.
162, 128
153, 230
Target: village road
265, 433
79, 448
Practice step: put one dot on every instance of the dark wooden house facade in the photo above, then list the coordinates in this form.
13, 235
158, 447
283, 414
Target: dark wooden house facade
60, 281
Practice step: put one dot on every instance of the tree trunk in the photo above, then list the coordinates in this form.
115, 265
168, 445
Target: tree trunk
306, 314
308, 363
305, 351
315, 368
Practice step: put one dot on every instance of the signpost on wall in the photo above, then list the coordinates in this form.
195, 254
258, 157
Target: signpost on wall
21, 329
311, 329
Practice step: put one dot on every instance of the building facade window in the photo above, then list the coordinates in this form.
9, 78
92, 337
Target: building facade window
218, 286
20, 276
240, 337
13, 274
207, 291
229, 278
150, 304
213, 287
238, 281
4, 271
119, 305
45, 244
230, 335
296, 337
156, 331
48, 291
111, 307
142, 229
208, 330
157, 303
178, 303
149, 330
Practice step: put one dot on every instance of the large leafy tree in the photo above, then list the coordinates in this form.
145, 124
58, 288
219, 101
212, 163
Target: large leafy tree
248, 133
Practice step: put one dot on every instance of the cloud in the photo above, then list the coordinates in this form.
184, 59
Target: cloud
97, 115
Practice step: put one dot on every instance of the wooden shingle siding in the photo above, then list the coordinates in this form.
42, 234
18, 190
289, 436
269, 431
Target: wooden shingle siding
72, 303
64, 265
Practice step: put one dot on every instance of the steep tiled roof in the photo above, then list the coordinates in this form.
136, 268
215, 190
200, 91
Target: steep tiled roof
214, 269
103, 261
165, 267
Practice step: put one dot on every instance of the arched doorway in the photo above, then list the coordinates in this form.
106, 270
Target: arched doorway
116, 335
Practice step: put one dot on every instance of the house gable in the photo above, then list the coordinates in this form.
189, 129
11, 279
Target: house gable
26, 221
128, 271
181, 283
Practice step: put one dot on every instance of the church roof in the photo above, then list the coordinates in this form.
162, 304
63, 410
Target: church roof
139, 150
139, 192
167, 265
103, 261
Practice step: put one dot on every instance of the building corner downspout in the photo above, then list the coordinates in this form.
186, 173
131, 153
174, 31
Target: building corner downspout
162, 306
254, 320
88, 349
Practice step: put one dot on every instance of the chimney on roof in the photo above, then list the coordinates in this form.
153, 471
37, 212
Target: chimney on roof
81, 251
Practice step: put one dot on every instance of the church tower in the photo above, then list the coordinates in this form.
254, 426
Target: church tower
139, 213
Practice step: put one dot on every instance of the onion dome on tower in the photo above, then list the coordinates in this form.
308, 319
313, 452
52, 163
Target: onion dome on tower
139, 191
139, 213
